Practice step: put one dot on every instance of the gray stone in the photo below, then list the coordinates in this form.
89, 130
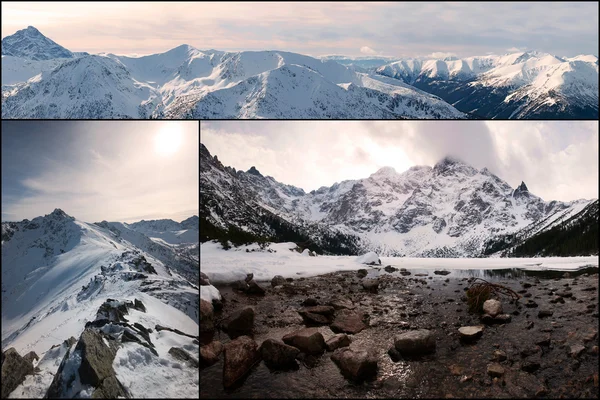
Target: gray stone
469, 333
255, 288
111, 388
545, 313
355, 365
338, 341
576, 350
308, 340
277, 280
138, 305
370, 285
495, 370
96, 358
500, 355
239, 356
278, 355
417, 342
29, 357
492, 307
182, 355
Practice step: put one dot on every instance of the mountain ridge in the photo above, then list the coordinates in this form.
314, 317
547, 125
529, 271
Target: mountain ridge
451, 209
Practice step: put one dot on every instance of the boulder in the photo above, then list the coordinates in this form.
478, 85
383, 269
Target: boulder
110, 388
239, 356
204, 281
348, 322
442, 272
470, 333
355, 365
370, 285
278, 355
14, 370
308, 340
338, 341
390, 269
499, 355
240, 285
415, 343
240, 322
361, 273
182, 355
492, 307
314, 319
277, 280
545, 313
209, 354
206, 316
255, 288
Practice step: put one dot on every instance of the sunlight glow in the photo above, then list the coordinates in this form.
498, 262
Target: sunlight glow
168, 140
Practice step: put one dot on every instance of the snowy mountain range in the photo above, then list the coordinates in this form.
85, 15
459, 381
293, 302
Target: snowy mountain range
62, 278
521, 85
41, 79
448, 210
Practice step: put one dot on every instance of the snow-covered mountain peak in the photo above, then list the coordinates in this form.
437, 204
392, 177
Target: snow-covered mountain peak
30, 43
385, 172
450, 165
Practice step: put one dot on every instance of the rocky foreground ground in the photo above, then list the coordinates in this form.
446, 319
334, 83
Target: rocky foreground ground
401, 334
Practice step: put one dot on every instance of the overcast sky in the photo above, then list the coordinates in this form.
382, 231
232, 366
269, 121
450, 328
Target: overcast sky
556, 160
349, 28
98, 170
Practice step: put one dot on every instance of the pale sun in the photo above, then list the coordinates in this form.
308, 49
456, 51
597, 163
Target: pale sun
168, 140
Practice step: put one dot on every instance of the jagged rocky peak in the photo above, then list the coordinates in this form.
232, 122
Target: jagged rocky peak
253, 171
30, 43
521, 190
60, 214
204, 151
449, 163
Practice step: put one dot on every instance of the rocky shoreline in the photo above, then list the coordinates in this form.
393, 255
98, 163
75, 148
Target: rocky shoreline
383, 332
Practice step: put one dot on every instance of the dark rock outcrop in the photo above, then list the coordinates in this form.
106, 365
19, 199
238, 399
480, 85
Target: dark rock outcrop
206, 316
184, 356
29, 357
14, 370
209, 354
337, 341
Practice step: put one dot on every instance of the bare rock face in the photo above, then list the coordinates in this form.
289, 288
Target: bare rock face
348, 322
240, 355
278, 355
417, 342
355, 365
308, 340
14, 369
206, 316
492, 307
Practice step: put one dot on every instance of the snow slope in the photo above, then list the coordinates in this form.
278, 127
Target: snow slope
56, 273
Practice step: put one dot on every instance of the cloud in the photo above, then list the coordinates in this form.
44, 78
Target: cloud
102, 170
367, 50
440, 54
557, 160
394, 28
516, 49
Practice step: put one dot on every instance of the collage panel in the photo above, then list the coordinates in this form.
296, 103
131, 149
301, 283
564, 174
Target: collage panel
300, 60
100, 259
399, 259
